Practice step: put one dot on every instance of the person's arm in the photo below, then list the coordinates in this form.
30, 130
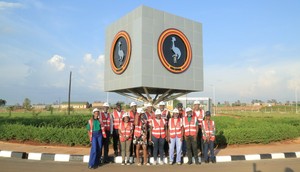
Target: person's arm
150, 134
167, 131
111, 123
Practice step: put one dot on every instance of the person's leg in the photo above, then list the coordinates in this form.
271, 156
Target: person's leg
161, 149
115, 141
205, 149
106, 146
98, 148
195, 150
128, 145
137, 153
178, 149
155, 147
189, 149
93, 153
171, 150
212, 153
145, 153
123, 145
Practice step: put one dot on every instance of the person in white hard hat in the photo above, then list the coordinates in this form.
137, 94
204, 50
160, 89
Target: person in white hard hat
165, 114
125, 133
150, 115
116, 119
132, 113
190, 125
175, 137
140, 135
158, 130
105, 117
96, 133
199, 113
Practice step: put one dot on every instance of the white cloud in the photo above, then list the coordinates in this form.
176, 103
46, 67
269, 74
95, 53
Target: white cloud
57, 62
6, 5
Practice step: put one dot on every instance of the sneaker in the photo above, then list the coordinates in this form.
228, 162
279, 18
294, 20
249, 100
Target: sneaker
154, 163
127, 163
161, 163
123, 163
189, 163
139, 164
170, 163
178, 163
90, 167
147, 164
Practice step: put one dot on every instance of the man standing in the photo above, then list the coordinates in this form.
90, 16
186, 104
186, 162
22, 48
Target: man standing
165, 114
105, 117
116, 119
132, 113
199, 113
190, 125
209, 130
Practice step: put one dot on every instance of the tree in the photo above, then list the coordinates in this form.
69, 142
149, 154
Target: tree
2, 102
27, 104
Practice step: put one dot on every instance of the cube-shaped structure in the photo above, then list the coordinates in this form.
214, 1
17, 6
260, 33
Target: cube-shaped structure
153, 52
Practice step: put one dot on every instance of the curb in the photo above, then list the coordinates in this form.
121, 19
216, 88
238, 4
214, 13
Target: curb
85, 158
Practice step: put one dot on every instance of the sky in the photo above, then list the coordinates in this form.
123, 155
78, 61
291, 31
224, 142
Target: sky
251, 49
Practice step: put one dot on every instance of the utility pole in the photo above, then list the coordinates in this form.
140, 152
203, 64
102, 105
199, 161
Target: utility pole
69, 97
296, 96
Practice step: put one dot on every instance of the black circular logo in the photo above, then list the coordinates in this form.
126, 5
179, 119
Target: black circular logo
120, 52
174, 50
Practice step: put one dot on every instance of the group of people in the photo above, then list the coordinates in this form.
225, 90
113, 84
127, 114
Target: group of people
152, 132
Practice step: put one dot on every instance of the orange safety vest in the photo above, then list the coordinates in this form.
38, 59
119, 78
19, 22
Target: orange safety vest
106, 121
209, 129
132, 116
199, 116
189, 127
158, 129
150, 116
90, 132
182, 114
125, 131
138, 129
164, 114
117, 120
175, 130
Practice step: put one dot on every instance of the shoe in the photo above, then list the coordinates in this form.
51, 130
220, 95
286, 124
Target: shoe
127, 163
154, 163
139, 164
189, 163
198, 163
161, 163
123, 163
90, 167
170, 163
206, 161
147, 164
213, 161
178, 163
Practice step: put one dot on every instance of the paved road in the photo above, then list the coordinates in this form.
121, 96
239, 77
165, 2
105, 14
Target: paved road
281, 165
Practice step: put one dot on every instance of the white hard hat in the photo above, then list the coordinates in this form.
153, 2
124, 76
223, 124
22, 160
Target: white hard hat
132, 104
149, 105
157, 112
188, 109
96, 110
175, 110
125, 115
196, 102
105, 104
140, 110
162, 103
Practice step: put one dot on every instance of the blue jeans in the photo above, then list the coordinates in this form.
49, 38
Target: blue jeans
95, 149
158, 145
209, 144
175, 142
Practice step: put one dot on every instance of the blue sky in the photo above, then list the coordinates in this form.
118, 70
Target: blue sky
251, 49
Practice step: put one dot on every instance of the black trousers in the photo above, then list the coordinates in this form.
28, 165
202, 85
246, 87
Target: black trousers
192, 151
105, 146
200, 141
116, 141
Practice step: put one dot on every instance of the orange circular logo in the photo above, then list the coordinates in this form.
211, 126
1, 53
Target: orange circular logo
174, 50
120, 52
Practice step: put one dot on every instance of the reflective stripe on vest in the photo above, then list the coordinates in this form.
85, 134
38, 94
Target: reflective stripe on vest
189, 127
158, 129
106, 121
209, 129
131, 116
175, 130
138, 129
199, 114
117, 119
125, 132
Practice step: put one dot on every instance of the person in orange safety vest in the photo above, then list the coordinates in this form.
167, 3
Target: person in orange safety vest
209, 137
125, 133
116, 119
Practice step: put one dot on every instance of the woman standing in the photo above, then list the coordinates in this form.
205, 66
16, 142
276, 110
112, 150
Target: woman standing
158, 135
125, 132
140, 135
95, 131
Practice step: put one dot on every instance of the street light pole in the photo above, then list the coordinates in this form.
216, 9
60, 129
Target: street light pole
296, 96
214, 98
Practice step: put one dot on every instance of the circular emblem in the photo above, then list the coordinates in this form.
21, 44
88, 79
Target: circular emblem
174, 50
120, 52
